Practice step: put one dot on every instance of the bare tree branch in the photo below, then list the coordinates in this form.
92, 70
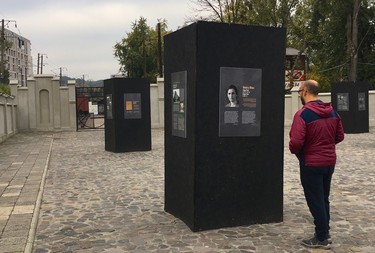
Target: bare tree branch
219, 10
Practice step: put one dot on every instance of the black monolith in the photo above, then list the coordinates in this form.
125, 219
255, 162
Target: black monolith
127, 114
350, 100
224, 165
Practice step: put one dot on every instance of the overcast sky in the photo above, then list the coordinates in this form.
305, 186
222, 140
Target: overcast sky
79, 35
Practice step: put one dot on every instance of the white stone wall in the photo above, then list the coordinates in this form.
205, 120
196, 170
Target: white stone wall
45, 106
157, 103
8, 122
293, 103
371, 108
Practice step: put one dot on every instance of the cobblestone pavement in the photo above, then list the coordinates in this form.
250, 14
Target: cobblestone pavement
98, 201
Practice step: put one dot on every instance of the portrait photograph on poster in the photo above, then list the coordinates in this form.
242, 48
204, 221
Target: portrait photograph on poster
240, 101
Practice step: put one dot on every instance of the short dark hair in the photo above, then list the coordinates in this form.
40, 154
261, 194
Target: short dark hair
312, 87
232, 87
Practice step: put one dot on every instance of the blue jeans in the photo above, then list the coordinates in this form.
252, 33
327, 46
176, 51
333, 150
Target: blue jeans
316, 182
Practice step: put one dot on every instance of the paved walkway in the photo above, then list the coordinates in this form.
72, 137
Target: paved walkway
98, 201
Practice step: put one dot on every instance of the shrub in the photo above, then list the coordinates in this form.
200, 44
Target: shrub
5, 89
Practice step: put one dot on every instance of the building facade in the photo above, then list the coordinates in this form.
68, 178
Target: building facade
18, 60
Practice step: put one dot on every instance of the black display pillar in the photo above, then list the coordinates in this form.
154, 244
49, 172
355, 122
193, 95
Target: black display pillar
224, 165
127, 114
350, 100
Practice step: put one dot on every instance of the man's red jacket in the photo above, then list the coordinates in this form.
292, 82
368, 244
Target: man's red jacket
315, 131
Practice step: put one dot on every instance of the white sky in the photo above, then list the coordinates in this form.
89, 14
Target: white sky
79, 35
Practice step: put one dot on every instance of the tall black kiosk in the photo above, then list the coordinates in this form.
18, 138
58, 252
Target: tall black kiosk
127, 114
350, 100
224, 124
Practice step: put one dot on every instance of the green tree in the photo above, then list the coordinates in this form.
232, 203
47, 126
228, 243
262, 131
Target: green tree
322, 29
4, 83
4, 73
255, 12
366, 43
270, 12
138, 52
4, 78
228, 11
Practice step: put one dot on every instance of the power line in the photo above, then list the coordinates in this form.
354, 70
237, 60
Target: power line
367, 63
338, 66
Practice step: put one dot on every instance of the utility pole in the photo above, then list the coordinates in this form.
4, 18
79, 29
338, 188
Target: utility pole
353, 43
60, 76
61, 69
159, 51
26, 73
38, 64
41, 62
2, 63
144, 57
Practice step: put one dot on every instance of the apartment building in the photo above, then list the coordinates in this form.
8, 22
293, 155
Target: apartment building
18, 60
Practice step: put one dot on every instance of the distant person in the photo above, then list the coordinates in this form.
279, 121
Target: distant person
232, 94
315, 131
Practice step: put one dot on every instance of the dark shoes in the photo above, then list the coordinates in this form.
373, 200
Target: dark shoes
328, 238
315, 243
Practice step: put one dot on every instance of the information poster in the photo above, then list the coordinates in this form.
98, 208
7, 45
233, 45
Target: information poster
132, 106
179, 99
93, 108
342, 101
361, 101
109, 106
240, 101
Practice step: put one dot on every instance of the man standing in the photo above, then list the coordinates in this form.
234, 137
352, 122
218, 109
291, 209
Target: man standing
315, 131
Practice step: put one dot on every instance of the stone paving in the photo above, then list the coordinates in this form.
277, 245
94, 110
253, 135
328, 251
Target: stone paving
23, 160
98, 201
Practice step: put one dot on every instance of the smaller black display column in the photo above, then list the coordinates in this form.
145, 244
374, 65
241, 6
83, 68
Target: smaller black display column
350, 100
127, 114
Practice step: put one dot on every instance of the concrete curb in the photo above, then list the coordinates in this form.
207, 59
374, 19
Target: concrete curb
34, 221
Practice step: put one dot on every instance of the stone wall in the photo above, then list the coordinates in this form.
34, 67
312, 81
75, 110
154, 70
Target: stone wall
157, 103
293, 103
45, 106
371, 108
8, 117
